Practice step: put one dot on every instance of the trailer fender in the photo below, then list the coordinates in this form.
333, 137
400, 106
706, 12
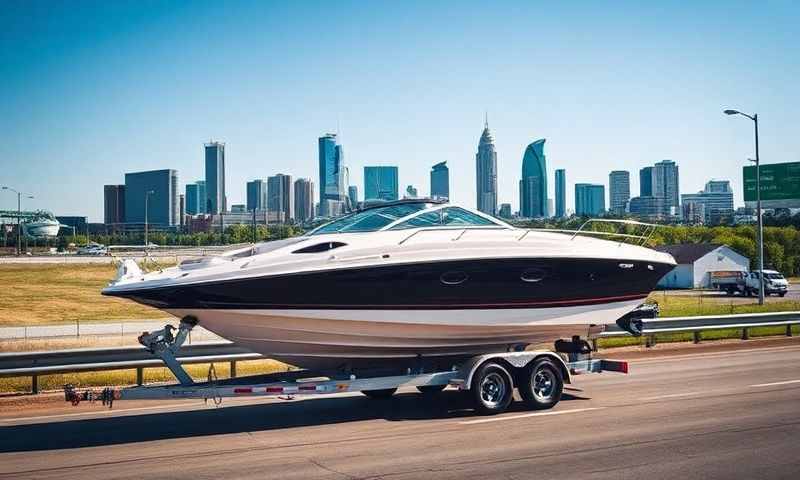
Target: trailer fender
515, 361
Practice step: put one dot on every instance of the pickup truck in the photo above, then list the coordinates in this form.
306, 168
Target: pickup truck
747, 283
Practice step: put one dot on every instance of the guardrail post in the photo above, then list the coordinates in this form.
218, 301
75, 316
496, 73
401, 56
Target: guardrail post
745, 333
697, 336
651, 341
139, 376
34, 383
789, 330
233, 368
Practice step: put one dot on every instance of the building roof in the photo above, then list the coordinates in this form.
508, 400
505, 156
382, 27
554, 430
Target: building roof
688, 252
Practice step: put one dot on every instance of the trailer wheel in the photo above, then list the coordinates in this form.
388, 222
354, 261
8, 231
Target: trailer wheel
491, 389
430, 389
782, 294
541, 384
382, 393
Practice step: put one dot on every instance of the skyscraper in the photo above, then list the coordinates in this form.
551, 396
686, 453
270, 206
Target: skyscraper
665, 185
619, 190
114, 204
280, 198
646, 182
561, 193
162, 203
331, 176
590, 200
303, 200
256, 195
486, 173
381, 183
201, 195
533, 185
505, 210
712, 204
352, 193
440, 181
215, 201
192, 198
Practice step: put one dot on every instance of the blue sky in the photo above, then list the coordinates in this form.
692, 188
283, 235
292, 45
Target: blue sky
91, 90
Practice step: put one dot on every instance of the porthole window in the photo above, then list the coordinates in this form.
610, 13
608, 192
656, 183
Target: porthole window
453, 278
533, 275
320, 247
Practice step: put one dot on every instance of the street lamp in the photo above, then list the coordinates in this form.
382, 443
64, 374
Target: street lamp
19, 213
146, 197
754, 118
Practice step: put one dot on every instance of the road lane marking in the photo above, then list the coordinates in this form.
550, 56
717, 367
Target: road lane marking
672, 395
526, 415
787, 382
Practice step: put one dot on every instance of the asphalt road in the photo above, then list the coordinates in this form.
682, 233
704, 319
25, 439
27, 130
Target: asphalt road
702, 414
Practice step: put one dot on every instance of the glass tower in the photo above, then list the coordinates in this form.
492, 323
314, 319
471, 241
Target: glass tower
215, 200
440, 181
619, 190
192, 198
162, 203
331, 176
533, 185
380, 183
303, 200
280, 198
486, 173
561, 193
590, 199
256, 195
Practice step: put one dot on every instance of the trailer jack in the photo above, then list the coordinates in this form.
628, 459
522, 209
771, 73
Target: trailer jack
165, 345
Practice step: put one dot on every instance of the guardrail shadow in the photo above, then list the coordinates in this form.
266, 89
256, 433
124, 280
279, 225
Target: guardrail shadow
145, 427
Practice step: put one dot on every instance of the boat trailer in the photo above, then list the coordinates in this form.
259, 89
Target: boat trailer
491, 378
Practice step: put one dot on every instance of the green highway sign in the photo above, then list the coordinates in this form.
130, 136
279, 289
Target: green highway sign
780, 185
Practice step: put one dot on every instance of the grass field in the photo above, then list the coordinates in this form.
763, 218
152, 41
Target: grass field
720, 334
42, 294
675, 305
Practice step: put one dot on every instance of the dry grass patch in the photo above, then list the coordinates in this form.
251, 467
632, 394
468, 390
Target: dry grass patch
41, 294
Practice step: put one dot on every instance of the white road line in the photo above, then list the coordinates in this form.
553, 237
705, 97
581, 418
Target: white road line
673, 395
526, 415
787, 382
693, 355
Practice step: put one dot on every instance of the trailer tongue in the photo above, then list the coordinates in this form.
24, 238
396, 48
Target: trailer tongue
490, 379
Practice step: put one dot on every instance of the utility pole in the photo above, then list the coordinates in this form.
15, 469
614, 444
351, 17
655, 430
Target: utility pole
146, 198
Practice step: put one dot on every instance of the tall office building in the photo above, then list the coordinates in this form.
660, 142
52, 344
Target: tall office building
256, 195
411, 192
619, 190
665, 185
201, 192
380, 183
533, 185
215, 200
303, 200
713, 204
590, 199
162, 203
647, 207
561, 193
181, 210
114, 204
646, 182
352, 194
192, 198
486, 173
332, 181
440, 181
505, 210
280, 198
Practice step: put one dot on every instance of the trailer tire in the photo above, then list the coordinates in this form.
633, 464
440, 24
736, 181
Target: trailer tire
430, 389
782, 294
492, 389
541, 384
382, 393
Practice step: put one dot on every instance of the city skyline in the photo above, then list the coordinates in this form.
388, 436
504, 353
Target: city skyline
104, 95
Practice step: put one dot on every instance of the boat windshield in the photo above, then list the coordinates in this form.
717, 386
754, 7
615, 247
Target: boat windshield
371, 220
450, 216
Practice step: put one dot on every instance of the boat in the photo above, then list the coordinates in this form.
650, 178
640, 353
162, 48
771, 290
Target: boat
403, 283
41, 224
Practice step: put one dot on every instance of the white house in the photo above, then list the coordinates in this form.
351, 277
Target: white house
696, 261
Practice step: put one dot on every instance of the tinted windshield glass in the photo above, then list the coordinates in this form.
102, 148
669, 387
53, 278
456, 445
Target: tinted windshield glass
370, 220
451, 216
774, 276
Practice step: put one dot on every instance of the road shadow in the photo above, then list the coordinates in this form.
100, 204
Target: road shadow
237, 419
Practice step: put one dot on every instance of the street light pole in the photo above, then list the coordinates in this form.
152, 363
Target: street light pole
19, 215
146, 197
760, 233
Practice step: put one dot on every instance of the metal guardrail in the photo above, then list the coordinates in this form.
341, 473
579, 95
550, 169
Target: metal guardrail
697, 325
34, 364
